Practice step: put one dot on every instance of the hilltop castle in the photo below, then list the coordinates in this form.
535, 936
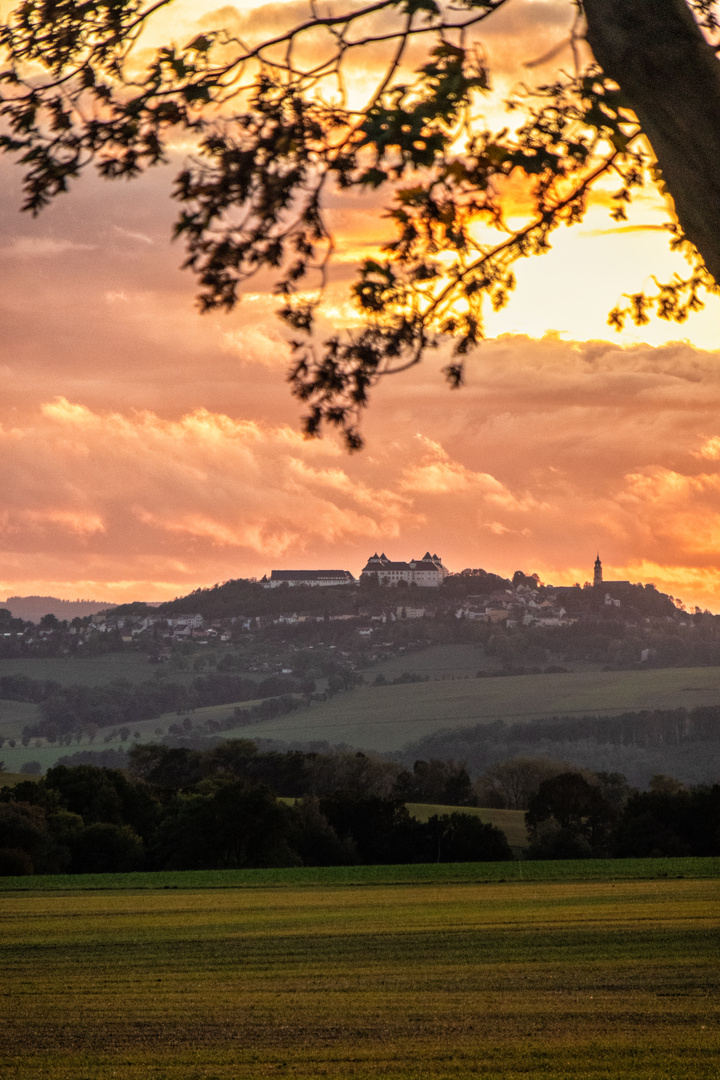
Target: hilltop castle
428, 571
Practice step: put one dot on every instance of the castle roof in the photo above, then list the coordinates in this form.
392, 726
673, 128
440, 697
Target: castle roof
309, 575
378, 564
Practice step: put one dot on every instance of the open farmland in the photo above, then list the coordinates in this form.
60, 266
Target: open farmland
385, 718
454, 661
96, 671
570, 979
14, 715
47, 754
10, 779
557, 870
511, 822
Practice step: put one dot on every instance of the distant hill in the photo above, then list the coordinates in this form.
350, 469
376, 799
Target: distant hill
249, 598
32, 608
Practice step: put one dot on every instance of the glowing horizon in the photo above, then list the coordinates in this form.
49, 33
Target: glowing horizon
149, 451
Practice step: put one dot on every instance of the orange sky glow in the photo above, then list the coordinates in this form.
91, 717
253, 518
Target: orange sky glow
147, 450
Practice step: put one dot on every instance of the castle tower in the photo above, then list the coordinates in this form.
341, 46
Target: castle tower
597, 576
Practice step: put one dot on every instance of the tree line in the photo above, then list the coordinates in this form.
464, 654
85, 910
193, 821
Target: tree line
647, 727
638, 743
78, 710
571, 817
234, 805
179, 809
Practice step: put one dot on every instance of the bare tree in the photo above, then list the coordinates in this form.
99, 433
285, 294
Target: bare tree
517, 780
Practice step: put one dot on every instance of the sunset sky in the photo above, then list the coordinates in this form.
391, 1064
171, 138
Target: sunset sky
147, 450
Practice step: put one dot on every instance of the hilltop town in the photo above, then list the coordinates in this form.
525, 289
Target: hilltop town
523, 623
266, 659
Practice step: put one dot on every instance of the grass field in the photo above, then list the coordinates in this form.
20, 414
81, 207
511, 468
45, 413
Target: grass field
47, 755
437, 661
386, 718
133, 667
93, 672
10, 779
604, 979
570, 870
14, 715
453, 661
512, 822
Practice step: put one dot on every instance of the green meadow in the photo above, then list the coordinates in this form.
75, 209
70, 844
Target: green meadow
386, 718
557, 870
14, 715
452, 661
511, 822
394, 976
10, 779
95, 671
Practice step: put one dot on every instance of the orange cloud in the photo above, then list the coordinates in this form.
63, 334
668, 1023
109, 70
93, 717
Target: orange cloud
553, 450
146, 450
202, 490
710, 449
436, 474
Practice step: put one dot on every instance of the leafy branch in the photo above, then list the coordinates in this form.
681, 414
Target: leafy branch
274, 128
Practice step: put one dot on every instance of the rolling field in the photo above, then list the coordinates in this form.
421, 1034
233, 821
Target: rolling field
452, 661
418, 981
133, 667
95, 672
14, 715
48, 754
568, 870
437, 661
10, 779
386, 718
512, 822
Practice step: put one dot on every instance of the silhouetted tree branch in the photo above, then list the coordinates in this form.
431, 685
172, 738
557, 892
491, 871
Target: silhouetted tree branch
274, 129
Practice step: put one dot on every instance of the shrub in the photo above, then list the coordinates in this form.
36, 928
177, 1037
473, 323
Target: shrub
103, 848
15, 863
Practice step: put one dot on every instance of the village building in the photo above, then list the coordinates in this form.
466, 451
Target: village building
598, 582
428, 571
186, 622
309, 578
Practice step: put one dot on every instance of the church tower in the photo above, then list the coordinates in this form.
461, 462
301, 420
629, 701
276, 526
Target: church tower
597, 576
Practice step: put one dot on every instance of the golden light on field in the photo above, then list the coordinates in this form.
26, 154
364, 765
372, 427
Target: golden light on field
526, 975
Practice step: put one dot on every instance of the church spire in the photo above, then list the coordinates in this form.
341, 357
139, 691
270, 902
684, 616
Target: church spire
597, 576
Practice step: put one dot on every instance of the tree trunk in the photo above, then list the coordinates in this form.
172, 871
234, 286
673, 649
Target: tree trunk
670, 75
